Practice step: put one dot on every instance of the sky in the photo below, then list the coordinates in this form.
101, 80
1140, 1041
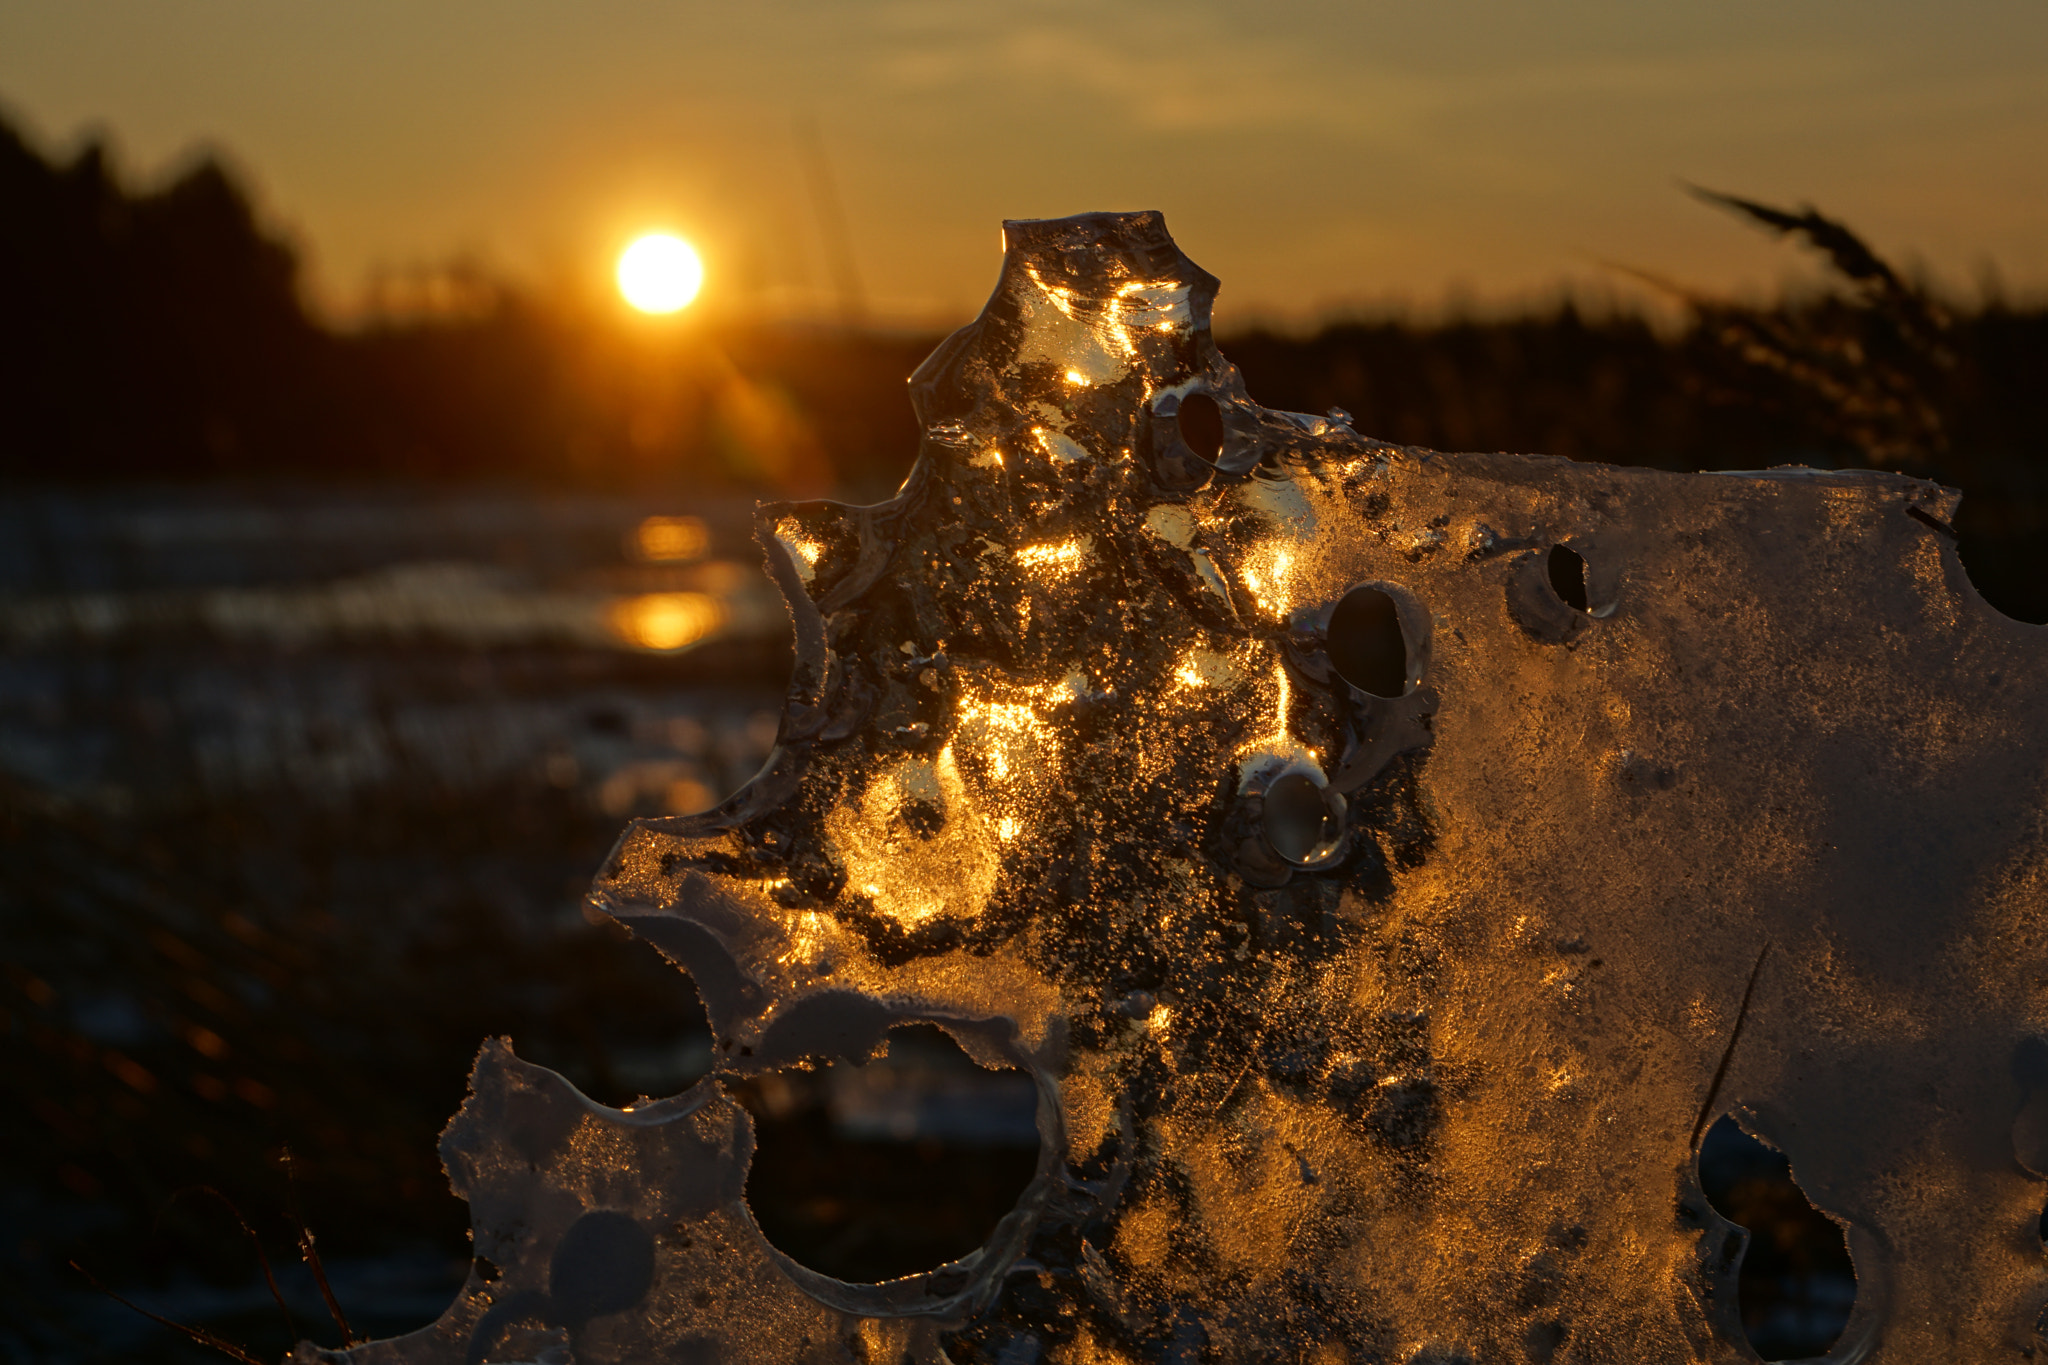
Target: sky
1320, 156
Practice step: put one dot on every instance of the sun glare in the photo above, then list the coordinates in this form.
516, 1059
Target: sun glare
659, 273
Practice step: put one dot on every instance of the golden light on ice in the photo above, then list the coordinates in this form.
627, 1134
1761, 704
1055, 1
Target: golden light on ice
660, 273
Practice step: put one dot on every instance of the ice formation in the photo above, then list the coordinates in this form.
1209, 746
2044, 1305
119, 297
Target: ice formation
1387, 864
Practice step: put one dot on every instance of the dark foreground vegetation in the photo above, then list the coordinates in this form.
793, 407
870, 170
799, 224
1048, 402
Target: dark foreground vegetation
195, 983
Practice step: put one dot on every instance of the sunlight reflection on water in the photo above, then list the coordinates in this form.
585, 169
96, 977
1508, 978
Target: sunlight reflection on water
173, 647
667, 621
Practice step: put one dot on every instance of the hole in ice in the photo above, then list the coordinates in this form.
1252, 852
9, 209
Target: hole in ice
1300, 825
2001, 554
604, 1265
1201, 426
1797, 1283
1568, 576
1366, 644
868, 1172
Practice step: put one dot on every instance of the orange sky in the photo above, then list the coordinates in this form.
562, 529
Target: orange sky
1315, 154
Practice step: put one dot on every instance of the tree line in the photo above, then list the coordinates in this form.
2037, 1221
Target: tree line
162, 334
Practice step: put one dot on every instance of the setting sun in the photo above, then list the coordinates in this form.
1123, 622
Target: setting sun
659, 273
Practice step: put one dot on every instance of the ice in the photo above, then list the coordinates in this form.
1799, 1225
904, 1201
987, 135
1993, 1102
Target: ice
1368, 1022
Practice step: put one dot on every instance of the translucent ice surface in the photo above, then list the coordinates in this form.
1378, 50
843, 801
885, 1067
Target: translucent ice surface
1388, 866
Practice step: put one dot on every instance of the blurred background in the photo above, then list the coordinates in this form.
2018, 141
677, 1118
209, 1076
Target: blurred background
374, 540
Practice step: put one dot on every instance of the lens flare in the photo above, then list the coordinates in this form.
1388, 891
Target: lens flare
660, 273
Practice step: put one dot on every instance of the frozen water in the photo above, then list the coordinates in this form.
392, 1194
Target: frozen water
1379, 969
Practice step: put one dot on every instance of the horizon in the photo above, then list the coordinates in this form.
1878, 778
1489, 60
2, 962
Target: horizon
1324, 163
1618, 290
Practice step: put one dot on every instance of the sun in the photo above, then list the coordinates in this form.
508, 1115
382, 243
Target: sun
660, 273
